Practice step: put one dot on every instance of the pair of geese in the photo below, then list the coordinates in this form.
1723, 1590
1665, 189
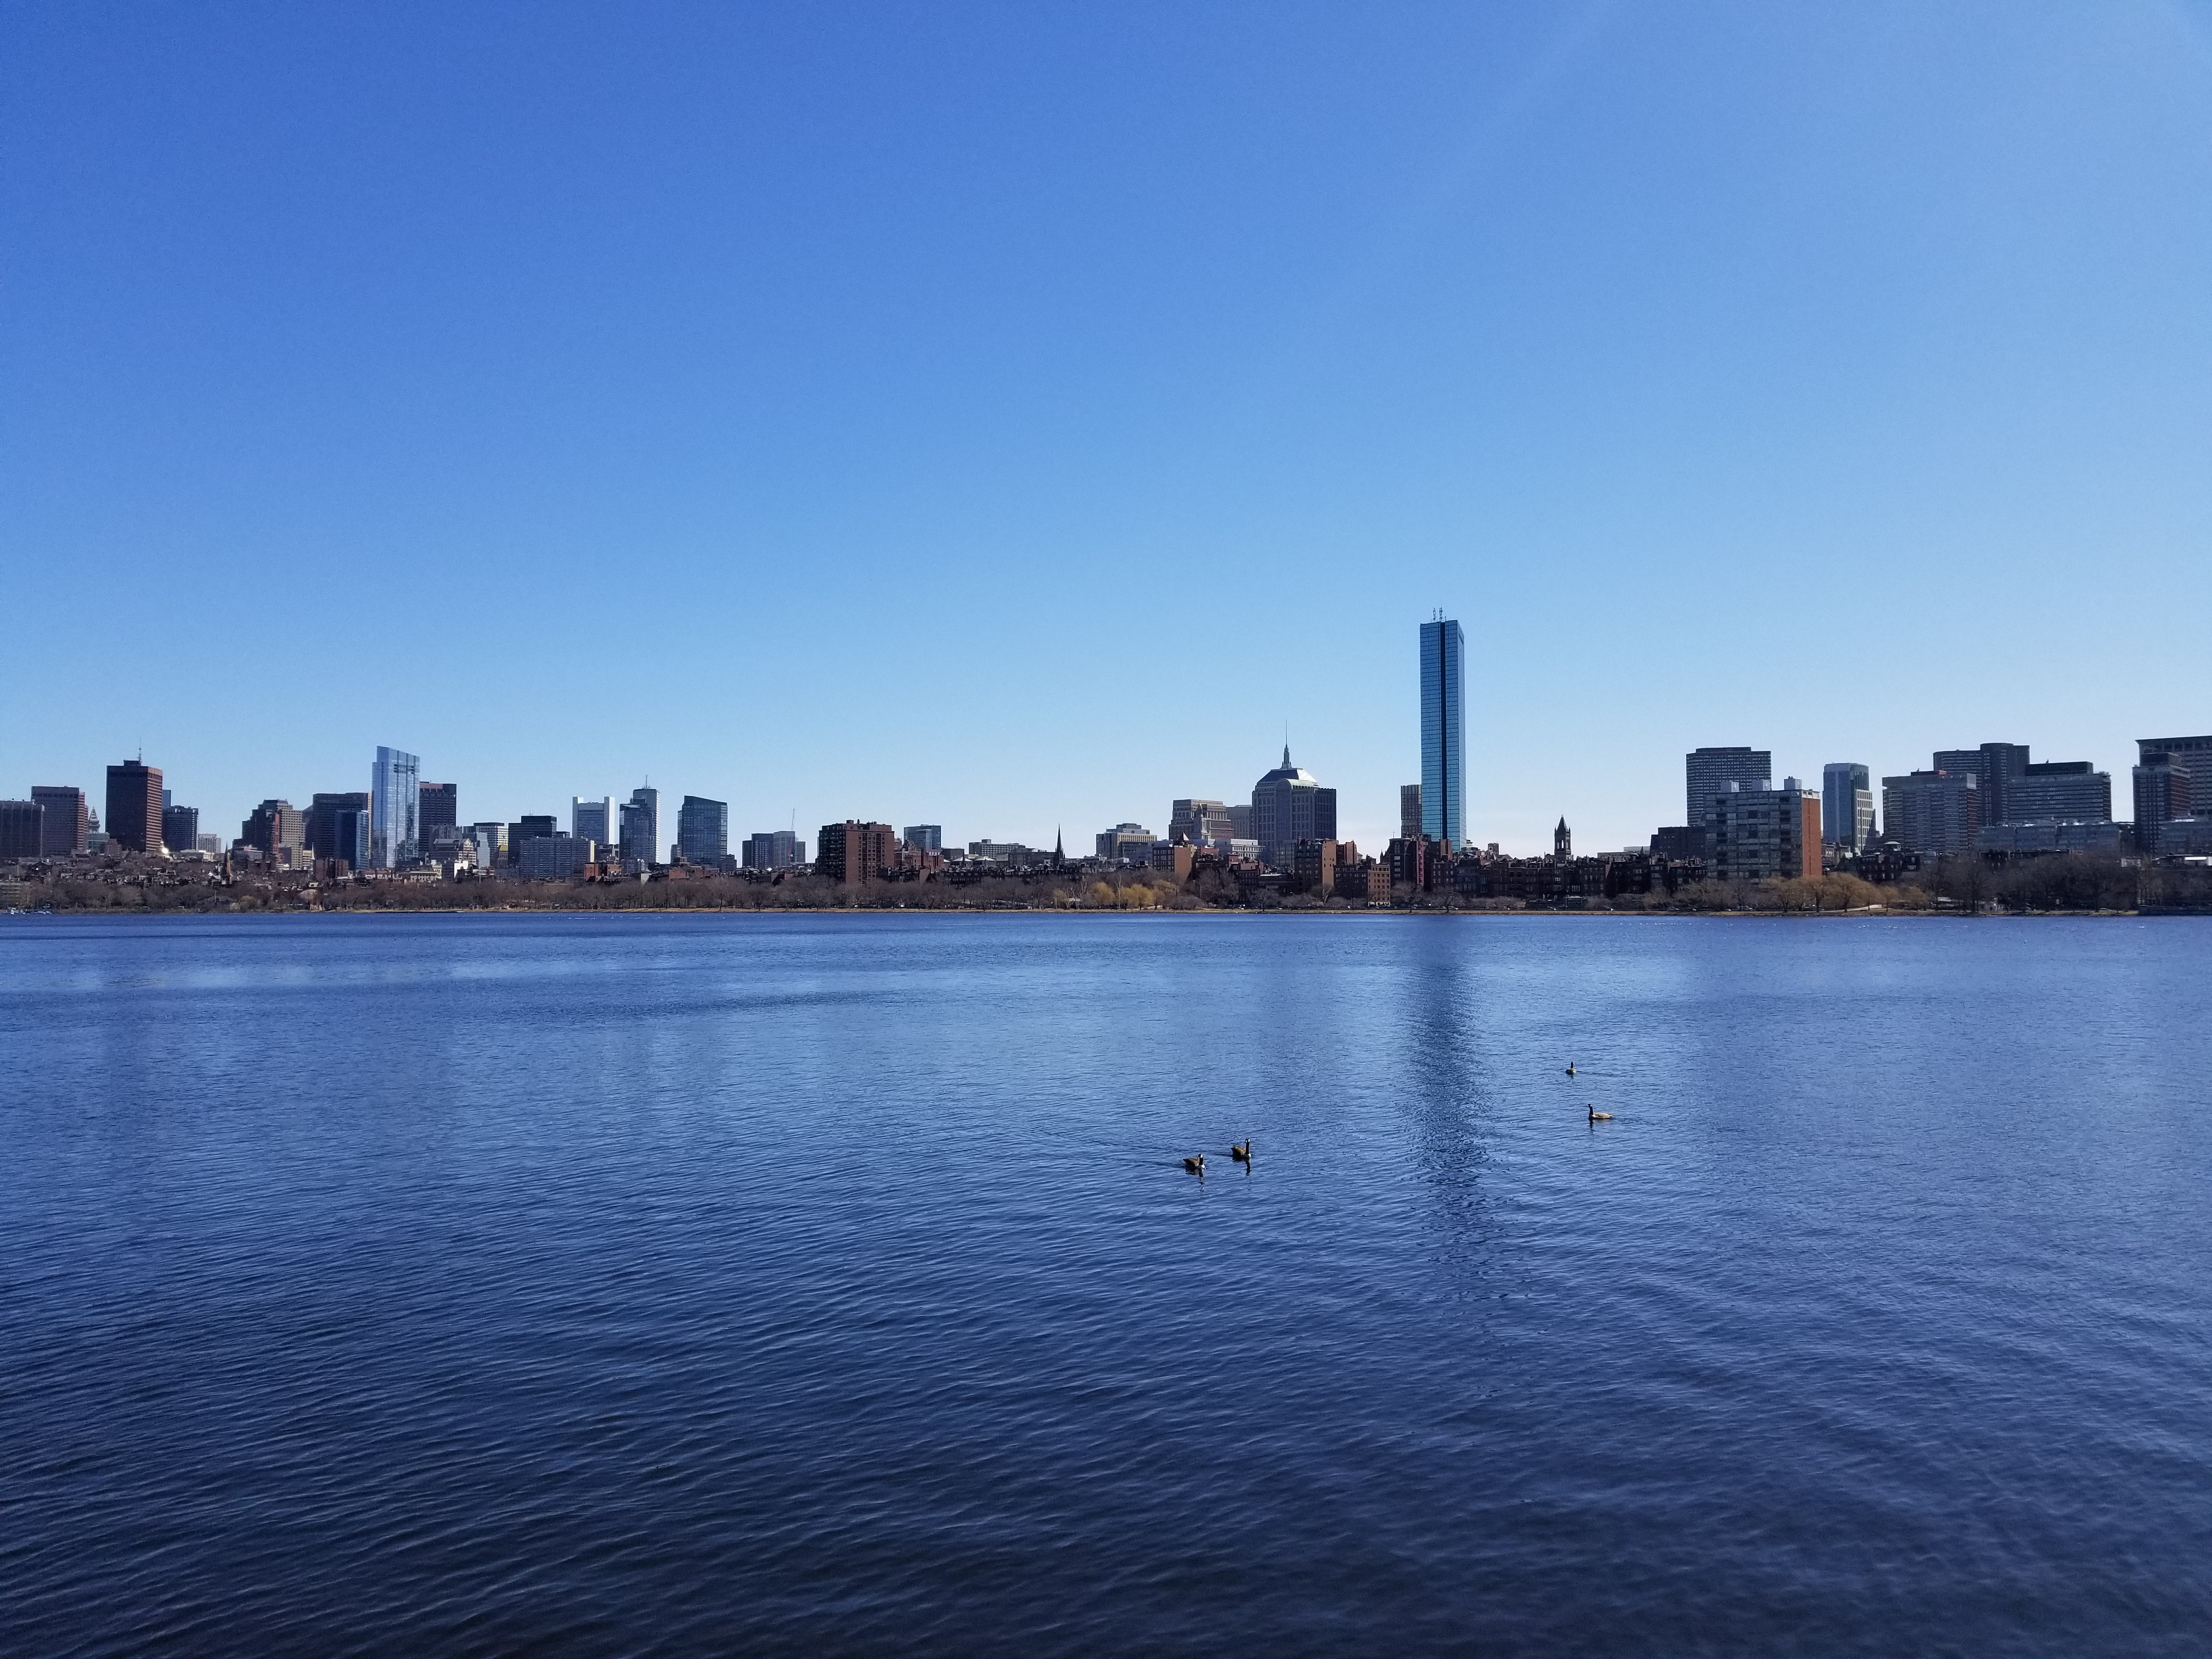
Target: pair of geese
1596, 1115
1196, 1163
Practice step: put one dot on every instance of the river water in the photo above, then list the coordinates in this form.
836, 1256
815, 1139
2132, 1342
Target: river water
765, 1285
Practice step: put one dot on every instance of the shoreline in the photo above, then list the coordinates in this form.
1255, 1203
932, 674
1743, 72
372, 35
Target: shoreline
1869, 913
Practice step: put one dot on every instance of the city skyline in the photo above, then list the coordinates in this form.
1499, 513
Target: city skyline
713, 352
1943, 808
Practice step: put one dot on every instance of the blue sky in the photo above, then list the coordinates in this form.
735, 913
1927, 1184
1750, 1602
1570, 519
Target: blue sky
1014, 416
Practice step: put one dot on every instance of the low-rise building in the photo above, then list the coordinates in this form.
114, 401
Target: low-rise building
2056, 835
1365, 881
2187, 838
1126, 843
1314, 862
1174, 858
556, 857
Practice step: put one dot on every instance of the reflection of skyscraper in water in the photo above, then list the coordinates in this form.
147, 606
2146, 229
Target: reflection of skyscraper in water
1443, 723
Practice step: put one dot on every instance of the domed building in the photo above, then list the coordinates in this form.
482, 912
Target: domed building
1290, 806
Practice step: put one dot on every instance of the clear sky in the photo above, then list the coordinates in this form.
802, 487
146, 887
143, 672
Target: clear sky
1014, 416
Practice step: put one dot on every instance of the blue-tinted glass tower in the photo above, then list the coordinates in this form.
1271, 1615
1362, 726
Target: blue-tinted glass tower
395, 808
1443, 726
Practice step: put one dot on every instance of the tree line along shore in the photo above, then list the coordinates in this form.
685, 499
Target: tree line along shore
2069, 883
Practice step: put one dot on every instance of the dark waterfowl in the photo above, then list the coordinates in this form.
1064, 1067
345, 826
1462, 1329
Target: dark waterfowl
1195, 1165
1243, 1154
1596, 1116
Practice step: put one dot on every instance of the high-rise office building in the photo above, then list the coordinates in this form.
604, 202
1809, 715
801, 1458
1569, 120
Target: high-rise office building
1289, 805
437, 816
134, 807
1443, 740
180, 829
1932, 812
2164, 791
773, 850
395, 803
274, 826
702, 830
2058, 792
593, 820
924, 837
529, 827
1847, 805
65, 821
336, 826
1409, 812
21, 828
1708, 773
640, 826
2194, 756
1993, 766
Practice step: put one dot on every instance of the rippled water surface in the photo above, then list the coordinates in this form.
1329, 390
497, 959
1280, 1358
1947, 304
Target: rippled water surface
813, 1284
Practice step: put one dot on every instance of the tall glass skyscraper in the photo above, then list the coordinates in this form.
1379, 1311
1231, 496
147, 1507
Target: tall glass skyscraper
640, 826
1443, 726
1846, 803
394, 809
